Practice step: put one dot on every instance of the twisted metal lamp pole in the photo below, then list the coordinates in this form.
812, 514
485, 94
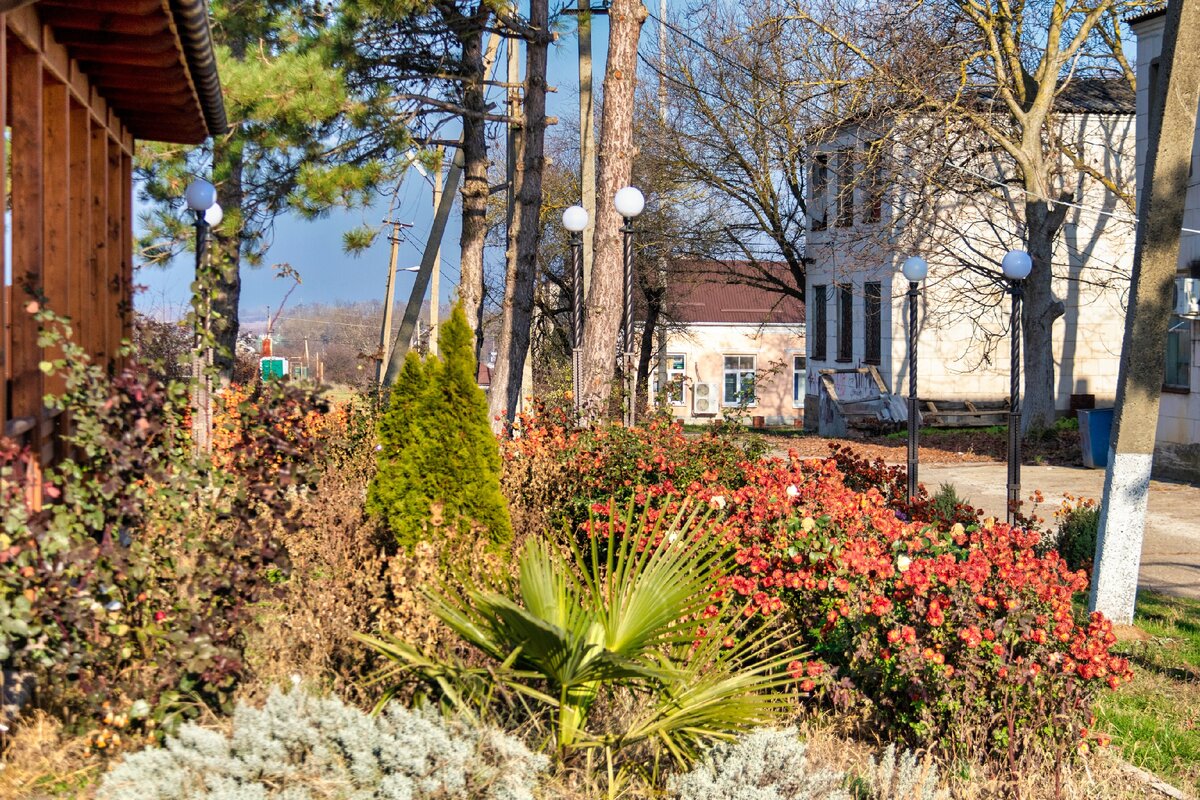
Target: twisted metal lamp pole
575, 220
629, 203
914, 269
1016, 265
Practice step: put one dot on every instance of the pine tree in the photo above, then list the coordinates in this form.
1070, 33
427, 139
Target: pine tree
440, 451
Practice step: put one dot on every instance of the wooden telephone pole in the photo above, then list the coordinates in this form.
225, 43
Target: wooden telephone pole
385, 338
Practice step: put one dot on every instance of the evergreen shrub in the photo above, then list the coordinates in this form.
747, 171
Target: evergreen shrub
764, 765
438, 458
303, 747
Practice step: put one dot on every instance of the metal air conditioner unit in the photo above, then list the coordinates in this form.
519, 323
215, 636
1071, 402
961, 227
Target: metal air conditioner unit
705, 399
1187, 297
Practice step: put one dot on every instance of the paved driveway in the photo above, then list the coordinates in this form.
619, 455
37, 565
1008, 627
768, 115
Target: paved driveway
1171, 550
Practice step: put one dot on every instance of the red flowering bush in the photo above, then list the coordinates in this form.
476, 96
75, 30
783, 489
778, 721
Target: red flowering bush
963, 634
553, 472
959, 632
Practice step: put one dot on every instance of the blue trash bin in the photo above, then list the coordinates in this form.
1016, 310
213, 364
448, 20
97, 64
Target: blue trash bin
1095, 430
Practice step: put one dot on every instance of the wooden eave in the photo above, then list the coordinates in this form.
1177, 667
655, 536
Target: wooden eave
135, 57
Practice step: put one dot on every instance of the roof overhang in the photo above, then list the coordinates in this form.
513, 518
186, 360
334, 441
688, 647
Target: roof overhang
151, 60
1146, 16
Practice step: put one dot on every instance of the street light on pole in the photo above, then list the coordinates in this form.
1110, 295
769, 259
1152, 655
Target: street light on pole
1016, 267
201, 198
575, 220
914, 269
629, 203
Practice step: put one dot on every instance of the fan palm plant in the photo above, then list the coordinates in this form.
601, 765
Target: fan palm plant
626, 612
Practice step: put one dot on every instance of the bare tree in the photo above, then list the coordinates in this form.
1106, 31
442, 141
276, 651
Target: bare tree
616, 152
526, 232
999, 74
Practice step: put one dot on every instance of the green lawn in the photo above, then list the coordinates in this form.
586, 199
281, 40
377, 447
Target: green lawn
1155, 720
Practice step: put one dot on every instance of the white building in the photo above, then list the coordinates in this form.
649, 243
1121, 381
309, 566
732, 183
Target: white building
734, 349
1177, 450
873, 203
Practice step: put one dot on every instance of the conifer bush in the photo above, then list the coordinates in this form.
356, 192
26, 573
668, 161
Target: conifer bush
438, 458
767, 764
303, 747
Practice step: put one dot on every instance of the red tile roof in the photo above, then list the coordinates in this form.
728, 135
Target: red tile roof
709, 300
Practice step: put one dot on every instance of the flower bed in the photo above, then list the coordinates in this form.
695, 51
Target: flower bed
953, 631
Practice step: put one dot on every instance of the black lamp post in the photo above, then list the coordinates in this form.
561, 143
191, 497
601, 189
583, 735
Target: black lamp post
575, 220
201, 197
915, 269
629, 202
1016, 266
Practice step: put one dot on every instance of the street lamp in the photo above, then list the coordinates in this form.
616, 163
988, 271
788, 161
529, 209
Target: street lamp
629, 203
1016, 267
914, 269
575, 220
201, 198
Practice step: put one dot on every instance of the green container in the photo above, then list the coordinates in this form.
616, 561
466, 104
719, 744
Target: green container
273, 368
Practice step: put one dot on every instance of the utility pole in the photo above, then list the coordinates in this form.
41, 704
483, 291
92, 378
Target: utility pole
435, 279
385, 331
413, 310
587, 134
1155, 264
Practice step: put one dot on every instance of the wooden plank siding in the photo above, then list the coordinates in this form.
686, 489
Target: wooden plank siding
75, 90
72, 223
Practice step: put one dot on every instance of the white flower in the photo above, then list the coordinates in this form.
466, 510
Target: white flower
717, 501
672, 537
792, 491
903, 562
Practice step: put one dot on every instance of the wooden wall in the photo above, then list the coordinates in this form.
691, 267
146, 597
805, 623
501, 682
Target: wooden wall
71, 163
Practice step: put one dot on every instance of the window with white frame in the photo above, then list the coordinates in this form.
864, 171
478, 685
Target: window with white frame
676, 372
799, 367
739, 381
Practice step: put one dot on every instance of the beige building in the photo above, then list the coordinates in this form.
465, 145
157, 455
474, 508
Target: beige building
735, 350
1177, 451
956, 209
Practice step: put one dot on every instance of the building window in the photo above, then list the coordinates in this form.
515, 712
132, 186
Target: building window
1179, 354
845, 188
819, 212
873, 202
676, 372
819, 334
799, 368
739, 381
873, 319
845, 323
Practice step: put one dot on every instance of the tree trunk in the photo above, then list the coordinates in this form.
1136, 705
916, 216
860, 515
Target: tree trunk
604, 300
226, 284
475, 179
1161, 208
526, 233
1041, 309
654, 298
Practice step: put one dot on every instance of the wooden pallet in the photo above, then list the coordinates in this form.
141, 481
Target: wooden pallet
963, 413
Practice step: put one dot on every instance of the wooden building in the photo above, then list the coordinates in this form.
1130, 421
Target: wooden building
82, 80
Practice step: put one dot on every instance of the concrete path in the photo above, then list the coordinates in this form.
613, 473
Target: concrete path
1171, 551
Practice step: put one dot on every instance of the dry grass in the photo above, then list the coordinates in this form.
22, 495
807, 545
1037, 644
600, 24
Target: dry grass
40, 761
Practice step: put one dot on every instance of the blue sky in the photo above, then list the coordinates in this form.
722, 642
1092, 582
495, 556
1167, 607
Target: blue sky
315, 248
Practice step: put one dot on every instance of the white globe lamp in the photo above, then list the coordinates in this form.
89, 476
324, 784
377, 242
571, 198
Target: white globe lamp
1016, 265
629, 202
575, 219
915, 269
200, 195
214, 215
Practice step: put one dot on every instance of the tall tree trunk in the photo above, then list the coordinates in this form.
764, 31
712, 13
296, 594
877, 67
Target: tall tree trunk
654, 298
227, 259
525, 236
1042, 225
604, 303
475, 177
